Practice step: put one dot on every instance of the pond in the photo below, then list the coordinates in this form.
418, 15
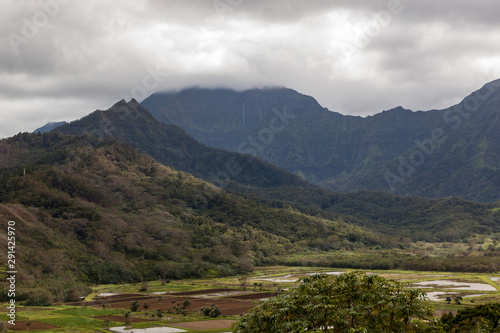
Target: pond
456, 285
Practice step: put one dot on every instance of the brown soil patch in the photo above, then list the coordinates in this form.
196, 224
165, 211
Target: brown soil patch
228, 307
205, 325
35, 325
99, 300
122, 319
253, 296
198, 292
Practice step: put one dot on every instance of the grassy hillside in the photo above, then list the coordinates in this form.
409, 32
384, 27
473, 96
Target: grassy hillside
93, 211
97, 211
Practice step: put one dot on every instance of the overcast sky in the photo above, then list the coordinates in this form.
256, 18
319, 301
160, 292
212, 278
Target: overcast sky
62, 59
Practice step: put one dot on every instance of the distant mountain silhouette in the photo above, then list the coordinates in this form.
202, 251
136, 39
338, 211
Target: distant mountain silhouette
438, 153
49, 127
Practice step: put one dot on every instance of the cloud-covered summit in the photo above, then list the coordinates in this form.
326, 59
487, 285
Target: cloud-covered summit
61, 59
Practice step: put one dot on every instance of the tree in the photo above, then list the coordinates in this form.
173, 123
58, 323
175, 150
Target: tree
481, 318
243, 282
159, 313
345, 303
134, 306
212, 311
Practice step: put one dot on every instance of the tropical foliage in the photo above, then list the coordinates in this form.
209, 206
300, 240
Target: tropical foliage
482, 318
350, 302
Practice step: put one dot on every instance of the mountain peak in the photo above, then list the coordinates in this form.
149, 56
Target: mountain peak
133, 103
120, 103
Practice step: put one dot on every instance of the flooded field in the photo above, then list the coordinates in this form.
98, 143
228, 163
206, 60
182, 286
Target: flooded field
436, 288
236, 295
456, 285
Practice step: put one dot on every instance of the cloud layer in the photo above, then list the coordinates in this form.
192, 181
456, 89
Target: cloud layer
62, 59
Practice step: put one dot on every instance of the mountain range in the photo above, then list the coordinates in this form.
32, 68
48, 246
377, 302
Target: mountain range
437, 153
91, 210
111, 198
133, 124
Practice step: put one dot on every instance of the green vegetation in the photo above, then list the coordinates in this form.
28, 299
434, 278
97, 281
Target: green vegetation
211, 312
130, 123
406, 219
261, 275
345, 303
482, 318
86, 312
91, 211
75, 322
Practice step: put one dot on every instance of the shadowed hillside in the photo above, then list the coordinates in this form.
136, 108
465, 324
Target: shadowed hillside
439, 153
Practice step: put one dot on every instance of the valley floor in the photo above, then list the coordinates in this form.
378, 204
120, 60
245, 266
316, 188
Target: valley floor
107, 309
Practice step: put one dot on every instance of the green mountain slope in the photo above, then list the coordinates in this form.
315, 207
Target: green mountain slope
464, 160
389, 214
89, 210
133, 124
349, 153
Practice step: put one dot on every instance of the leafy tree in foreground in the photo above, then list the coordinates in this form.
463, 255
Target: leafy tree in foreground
481, 318
351, 302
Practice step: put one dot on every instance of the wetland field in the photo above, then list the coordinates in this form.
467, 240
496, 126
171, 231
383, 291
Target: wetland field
212, 305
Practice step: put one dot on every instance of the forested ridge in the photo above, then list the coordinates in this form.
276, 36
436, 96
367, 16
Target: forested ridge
89, 210
92, 210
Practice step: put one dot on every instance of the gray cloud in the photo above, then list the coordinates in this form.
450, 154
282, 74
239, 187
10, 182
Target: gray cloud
357, 57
